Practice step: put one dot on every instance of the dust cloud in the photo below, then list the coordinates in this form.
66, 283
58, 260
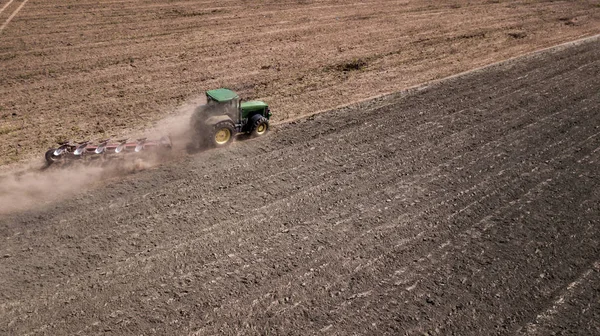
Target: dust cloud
30, 188
32, 185
177, 126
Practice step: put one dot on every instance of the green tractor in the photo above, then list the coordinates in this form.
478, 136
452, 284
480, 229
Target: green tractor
225, 115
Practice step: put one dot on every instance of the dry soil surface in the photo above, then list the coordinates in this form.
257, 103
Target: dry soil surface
466, 207
84, 70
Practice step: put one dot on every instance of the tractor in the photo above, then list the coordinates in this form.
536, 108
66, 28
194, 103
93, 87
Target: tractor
214, 124
224, 116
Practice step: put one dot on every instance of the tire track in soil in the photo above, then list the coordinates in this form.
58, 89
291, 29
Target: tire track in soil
3, 26
5, 6
252, 281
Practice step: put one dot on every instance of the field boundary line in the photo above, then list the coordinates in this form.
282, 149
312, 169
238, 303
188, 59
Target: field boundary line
421, 86
12, 15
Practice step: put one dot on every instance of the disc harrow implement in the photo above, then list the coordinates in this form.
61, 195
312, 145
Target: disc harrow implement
104, 150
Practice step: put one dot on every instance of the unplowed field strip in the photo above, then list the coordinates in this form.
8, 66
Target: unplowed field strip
88, 70
470, 207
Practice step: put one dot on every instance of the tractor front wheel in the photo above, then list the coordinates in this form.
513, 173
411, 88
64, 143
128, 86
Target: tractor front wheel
223, 134
260, 127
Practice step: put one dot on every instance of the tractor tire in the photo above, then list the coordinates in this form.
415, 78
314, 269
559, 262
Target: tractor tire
260, 126
222, 134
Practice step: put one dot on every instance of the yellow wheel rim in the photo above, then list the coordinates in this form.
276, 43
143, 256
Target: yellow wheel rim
223, 135
261, 129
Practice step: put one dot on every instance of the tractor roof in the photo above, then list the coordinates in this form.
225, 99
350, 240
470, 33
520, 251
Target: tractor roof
222, 95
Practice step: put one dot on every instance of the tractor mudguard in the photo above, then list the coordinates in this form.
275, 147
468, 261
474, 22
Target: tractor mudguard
217, 119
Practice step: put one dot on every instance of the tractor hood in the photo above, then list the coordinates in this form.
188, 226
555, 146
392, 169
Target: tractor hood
254, 105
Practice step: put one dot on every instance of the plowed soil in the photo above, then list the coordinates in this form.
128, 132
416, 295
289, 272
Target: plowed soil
467, 207
84, 70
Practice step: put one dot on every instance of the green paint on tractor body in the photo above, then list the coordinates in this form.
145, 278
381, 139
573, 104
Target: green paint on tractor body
221, 95
255, 106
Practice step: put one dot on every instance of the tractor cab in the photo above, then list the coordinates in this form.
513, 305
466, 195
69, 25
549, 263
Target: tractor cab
224, 101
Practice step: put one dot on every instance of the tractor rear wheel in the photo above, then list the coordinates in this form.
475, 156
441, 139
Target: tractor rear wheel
260, 127
222, 134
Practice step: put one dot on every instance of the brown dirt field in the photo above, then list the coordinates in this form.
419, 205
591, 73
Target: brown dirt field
466, 207
78, 70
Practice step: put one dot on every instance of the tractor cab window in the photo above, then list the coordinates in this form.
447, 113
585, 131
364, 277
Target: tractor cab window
235, 104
